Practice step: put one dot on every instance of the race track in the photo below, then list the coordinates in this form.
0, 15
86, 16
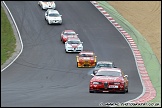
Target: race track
45, 76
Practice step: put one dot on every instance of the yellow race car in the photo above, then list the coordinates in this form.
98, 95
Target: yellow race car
86, 59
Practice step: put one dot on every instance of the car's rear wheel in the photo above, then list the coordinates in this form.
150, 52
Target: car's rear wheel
90, 91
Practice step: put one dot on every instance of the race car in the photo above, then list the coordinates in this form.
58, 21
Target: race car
73, 44
53, 17
109, 80
86, 59
66, 34
100, 64
47, 4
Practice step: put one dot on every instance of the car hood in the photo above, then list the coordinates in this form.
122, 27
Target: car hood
54, 18
74, 45
107, 79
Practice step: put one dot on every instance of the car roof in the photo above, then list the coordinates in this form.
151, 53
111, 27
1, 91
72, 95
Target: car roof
87, 52
104, 62
109, 69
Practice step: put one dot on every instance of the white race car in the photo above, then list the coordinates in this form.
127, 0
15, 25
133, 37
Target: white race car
47, 4
73, 44
53, 17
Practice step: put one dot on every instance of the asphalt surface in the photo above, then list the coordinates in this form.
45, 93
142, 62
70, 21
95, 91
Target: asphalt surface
45, 76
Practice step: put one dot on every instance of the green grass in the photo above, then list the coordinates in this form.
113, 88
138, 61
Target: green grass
8, 40
151, 62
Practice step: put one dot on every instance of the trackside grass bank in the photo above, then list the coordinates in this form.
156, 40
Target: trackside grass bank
8, 40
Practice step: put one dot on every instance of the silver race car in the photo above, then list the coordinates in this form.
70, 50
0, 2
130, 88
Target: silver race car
53, 17
100, 64
73, 44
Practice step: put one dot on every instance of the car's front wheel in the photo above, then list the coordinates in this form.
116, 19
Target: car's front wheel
66, 51
77, 64
126, 90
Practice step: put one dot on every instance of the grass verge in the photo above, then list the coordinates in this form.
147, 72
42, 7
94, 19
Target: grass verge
8, 40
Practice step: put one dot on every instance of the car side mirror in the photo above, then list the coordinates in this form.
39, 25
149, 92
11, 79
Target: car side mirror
92, 75
94, 72
81, 42
125, 76
60, 15
115, 67
77, 34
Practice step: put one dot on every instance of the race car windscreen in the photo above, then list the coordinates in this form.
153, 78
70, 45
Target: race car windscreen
108, 73
86, 55
104, 65
70, 33
73, 42
54, 15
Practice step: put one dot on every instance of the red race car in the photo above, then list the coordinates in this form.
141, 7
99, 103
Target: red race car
86, 59
66, 34
109, 80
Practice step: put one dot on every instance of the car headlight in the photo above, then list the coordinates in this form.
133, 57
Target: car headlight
96, 83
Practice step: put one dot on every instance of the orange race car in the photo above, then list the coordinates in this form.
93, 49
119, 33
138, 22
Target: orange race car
86, 59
